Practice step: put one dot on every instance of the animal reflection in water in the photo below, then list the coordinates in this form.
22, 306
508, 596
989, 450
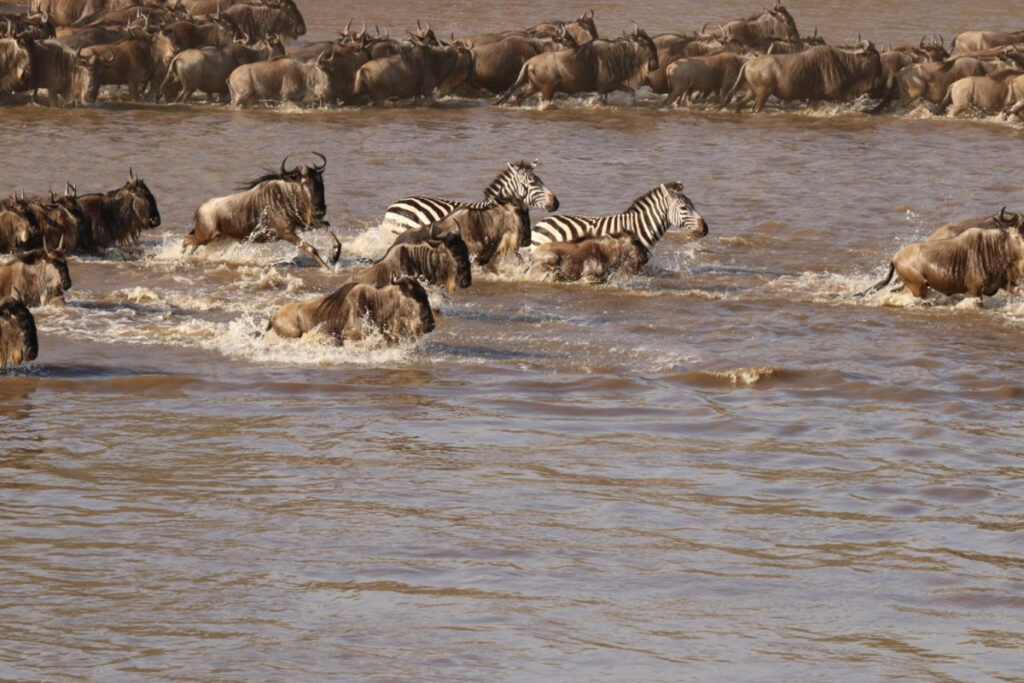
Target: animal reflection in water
399, 310
274, 206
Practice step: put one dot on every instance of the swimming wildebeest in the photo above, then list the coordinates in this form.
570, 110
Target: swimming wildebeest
18, 341
977, 262
591, 257
274, 206
439, 258
398, 310
283, 79
118, 216
39, 276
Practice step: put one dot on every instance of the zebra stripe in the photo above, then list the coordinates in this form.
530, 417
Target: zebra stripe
516, 182
648, 218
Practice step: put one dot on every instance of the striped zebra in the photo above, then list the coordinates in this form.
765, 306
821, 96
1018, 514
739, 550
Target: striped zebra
648, 218
517, 182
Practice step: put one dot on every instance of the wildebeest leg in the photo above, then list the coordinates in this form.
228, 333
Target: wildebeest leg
878, 285
306, 247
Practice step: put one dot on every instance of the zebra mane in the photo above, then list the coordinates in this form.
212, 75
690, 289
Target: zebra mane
639, 201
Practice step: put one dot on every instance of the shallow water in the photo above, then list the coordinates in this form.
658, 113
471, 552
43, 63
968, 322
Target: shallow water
727, 467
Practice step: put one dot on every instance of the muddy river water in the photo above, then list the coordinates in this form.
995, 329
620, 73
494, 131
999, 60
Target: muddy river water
727, 467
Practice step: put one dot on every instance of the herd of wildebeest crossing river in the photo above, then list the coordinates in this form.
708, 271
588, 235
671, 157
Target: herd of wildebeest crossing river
81, 52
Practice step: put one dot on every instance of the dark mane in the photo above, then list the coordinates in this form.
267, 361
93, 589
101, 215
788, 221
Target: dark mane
267, 175
331, 306
30, 257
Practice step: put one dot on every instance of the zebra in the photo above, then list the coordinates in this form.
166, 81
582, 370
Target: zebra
517, 182
648, 217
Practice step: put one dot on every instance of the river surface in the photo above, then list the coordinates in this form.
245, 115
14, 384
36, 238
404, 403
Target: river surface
726, 468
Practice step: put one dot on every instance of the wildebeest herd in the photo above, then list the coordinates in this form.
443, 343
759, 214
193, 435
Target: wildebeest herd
245, 51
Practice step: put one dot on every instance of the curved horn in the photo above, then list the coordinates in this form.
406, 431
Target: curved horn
60, 245
704, 27
348, 26
284, 171
1003, 218
131, 174
323, 165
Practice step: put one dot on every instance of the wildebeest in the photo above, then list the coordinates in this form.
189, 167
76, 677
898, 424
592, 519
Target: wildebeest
672, 48
208, 68
415, 73
581, 29
931, 80
1001, 220
345, 60
775, 23
18, 224
67, 12
592, 258
260, 21
977, 262
18, 340
708, 75
36, 26
60, 220
76, 39
433, 264
283, 79
492, 231
988, 93
274, 206
186, 34
39, 276
118, 216
820, 73
497, 65
398, 310
138, 62
14, 64
63, 73
973, 41
600, 66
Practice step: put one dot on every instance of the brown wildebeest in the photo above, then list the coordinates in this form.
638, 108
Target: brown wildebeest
497, 65
988, 93
398, 310
118, 216
974, 41
820, 73
592, 258
262, 21
775, 23
708, 75
14, 64
415, 73
931, 80
274, 206
977, 262
1001, 220
188, 34
138, 62
39, 276
345, 58
433, 265
76, 39
67, 12
495, 230
60, 71
60, 221
18, 340
600, 66
18, 224
207, 69
283, 79
672, 48
582, 29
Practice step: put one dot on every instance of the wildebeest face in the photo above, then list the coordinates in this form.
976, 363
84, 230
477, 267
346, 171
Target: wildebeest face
457, 249
414, 290
294, 16
647, 48
17, 316
143, 202
57, 272
312, 179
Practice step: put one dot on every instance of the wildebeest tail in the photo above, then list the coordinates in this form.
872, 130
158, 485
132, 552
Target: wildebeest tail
878, 285
162, 90
741, 77
515, 86
948, 99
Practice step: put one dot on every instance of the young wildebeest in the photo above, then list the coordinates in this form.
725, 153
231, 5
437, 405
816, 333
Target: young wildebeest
272, 207
989, 93
39, 276
600, 66
592, 258
491, 231
707, 75
208, 68
398, 310
18, 341
283, 79
441, 260
118, 216
977, 262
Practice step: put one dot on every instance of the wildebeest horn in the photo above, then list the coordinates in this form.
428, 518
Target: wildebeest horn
1003, 218
348, 26
218, 11
60, 244
704, 27
418, 25
70, 189
45, 248
131, 173
921, 44
323, 165
284, 171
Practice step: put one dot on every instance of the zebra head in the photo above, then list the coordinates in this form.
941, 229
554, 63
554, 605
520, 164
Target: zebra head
519, 181
681, 212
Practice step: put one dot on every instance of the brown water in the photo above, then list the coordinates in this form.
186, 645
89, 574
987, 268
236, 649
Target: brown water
726, 468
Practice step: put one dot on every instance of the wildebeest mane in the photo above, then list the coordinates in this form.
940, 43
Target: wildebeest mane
267, 175
332, 306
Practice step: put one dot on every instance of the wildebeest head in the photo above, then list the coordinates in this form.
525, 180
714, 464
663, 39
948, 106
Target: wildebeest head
83, 77
411, 288
294, 16
782, 14
312, 179
453, 243
53, 279
585, 22
681, 212
18, 341
646, 47
143, 201
18, 223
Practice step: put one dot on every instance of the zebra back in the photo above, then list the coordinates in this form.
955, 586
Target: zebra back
414, 212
